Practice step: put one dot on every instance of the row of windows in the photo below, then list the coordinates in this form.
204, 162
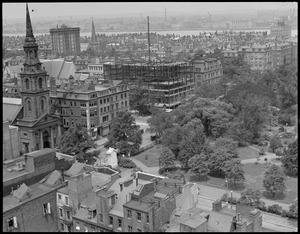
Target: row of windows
138, 216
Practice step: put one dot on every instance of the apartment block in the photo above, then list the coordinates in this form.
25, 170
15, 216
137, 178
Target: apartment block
93, 105
281, 30
282, 53
65, 40
207, 71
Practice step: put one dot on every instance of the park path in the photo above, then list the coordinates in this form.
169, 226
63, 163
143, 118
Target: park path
267, 155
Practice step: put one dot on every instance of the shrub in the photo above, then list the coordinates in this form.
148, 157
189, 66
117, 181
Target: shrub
126, 163
284, 213
276, 209
161, 171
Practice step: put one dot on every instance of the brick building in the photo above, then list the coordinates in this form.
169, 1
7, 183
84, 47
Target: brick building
92, 105
207, 71
65, 40
281, 30
259, 57
30, 184
74, 199
282, 53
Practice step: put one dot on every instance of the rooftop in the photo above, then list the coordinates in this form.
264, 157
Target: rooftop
35, 190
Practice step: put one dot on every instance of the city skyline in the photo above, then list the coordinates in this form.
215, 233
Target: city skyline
105, 9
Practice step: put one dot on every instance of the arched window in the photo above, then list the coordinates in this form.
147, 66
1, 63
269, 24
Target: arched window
40, 83
29, 105
27, 83
42, 105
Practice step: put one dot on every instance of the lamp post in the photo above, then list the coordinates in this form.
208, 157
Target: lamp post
231, 199
226, 181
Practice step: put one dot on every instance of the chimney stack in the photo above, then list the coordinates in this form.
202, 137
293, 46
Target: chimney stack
136, 181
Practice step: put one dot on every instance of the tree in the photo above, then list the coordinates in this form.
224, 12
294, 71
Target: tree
159, 121
275, 143
172, 137
199, 165
192, 143
166, 159
124, 134
251, 197
225, 142
274, 180
294, 208
88, 157
234, 171
218, 158
237, 131
290, 158
75, 140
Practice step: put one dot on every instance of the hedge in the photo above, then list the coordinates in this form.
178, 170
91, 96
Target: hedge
126, 163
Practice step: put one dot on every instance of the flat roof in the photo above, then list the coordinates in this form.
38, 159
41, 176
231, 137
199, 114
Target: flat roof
15, 101
7, 175
41, 152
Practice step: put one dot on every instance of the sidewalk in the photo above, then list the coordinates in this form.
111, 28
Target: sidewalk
267, 155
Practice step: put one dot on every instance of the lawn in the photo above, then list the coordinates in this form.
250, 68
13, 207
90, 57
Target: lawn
150, 157
247, 153
254, 175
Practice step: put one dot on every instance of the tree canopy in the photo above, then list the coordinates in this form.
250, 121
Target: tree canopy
251, 197
290, 158
199, 165
274, 180
234, 171
124, 134
76, 140
167, 159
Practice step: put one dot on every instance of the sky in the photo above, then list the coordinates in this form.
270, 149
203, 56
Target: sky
17, 10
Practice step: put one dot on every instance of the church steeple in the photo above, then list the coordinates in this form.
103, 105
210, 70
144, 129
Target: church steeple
29, 32
94, 39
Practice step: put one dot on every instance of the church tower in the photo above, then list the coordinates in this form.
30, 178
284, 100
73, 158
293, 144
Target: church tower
38, 128
94, 44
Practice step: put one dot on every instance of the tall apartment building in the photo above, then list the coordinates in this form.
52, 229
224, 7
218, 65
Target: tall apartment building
282, 53
92, 105
258, 57
65, 40
168, 84
207, 71
281, 30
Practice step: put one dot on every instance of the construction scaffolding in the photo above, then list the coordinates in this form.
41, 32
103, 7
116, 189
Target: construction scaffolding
168, 84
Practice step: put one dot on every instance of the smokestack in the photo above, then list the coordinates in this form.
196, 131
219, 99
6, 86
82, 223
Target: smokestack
148, 38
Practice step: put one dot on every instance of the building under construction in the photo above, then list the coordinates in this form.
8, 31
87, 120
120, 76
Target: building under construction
168, 84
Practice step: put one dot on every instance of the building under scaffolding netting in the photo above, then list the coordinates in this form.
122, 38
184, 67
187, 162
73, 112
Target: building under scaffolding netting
168, 84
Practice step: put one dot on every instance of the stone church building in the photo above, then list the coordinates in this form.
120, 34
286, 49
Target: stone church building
38, 128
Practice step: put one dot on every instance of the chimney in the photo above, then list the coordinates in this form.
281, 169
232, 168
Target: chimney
62, 174
121, 187
15, 82
217, 205
136, 181
71, 81
53, 88
256, 218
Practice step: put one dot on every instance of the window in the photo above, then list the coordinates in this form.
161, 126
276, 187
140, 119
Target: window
69, 228
47, 208
129, 214
60, 212
27, 83
59, 196
120, 223
62, 226
29, 105
105, 118
67, 200
111, 220
139, 216
40, 83
12, 223
42, 105
129, 228
101, 218
77, 226
86, 229
68, 215
100, 101
147, 218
